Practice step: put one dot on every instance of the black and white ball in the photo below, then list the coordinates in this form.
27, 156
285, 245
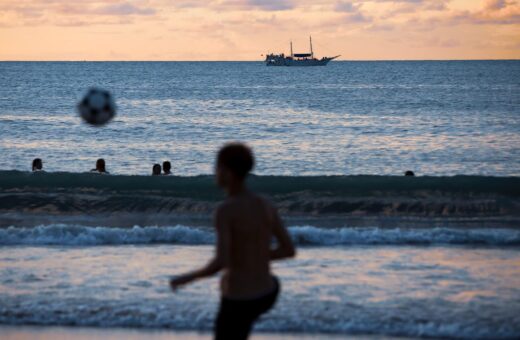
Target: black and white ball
97, 107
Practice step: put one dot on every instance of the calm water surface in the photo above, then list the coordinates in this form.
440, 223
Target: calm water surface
437, 118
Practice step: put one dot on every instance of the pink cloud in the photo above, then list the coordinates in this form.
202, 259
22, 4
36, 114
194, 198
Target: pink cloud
87, 7
497, 12
495, 5
347, 6
124, 8
352, 12
272, 5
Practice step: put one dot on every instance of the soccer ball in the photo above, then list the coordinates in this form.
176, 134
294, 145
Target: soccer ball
97, 107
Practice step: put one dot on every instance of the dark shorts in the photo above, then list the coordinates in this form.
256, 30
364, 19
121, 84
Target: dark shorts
236, 317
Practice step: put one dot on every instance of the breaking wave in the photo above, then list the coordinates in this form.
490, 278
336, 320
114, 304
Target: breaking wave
72, 194
77, 235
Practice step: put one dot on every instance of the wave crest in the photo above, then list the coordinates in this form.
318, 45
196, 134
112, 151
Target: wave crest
70, 194
77, 235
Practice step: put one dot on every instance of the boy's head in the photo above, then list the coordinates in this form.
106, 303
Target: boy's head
234, 162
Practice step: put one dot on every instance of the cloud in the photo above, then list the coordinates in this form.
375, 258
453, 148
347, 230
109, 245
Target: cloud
414, 6
124, 8
66, 7
495, 5
346, 6
351, 12
494, 12
439, 5
426, 15
73, 13
237, 5
356, 18
380, 28
272, 5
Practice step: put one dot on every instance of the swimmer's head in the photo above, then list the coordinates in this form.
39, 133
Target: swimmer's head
156, 170
37, 164
100, 165
234, 162
409, 173
167, 167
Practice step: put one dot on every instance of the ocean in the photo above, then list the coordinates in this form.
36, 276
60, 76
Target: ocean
379, 254
379, 118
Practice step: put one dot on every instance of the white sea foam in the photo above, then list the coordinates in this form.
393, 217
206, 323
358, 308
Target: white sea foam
77, 235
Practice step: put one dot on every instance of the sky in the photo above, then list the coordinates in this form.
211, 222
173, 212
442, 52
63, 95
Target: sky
247, 29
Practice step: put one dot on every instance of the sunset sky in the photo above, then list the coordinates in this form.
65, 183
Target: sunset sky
246, 29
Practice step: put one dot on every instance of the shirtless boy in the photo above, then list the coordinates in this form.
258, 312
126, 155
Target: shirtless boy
245, 225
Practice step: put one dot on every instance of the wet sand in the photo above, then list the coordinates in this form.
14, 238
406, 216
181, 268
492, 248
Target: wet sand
84, 333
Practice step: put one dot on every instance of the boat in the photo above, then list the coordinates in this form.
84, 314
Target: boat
297, 59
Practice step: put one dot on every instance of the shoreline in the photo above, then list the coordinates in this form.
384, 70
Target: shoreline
21, 332
204, 221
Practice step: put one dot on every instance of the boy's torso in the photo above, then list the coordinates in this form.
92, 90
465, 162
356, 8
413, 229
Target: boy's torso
247, 274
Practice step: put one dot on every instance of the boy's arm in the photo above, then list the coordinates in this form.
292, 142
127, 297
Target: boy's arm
285, 247
220, 259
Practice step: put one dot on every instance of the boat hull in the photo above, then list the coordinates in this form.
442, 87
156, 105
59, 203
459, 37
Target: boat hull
292, 62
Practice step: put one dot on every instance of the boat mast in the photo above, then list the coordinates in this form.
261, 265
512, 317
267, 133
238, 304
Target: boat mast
291, 50
312, 53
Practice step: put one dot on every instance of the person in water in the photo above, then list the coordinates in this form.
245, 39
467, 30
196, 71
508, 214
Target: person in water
167, 168
409, 173
245, 225
100, 167
37, 165
156, 170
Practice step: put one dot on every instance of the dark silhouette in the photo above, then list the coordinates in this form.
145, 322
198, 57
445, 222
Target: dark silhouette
100, 167
409, 173
156, 170
245, 224
37, 165
167, 168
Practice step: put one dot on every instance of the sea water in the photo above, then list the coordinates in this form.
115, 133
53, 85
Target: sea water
463, 291
97, 251
381, 118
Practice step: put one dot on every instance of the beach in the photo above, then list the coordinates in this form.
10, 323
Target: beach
58, 333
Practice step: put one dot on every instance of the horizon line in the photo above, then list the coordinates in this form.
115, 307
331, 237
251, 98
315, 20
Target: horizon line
256, 60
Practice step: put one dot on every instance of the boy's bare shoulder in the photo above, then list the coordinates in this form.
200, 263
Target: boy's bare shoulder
233, 205
264, 204
265, 201
224, 208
